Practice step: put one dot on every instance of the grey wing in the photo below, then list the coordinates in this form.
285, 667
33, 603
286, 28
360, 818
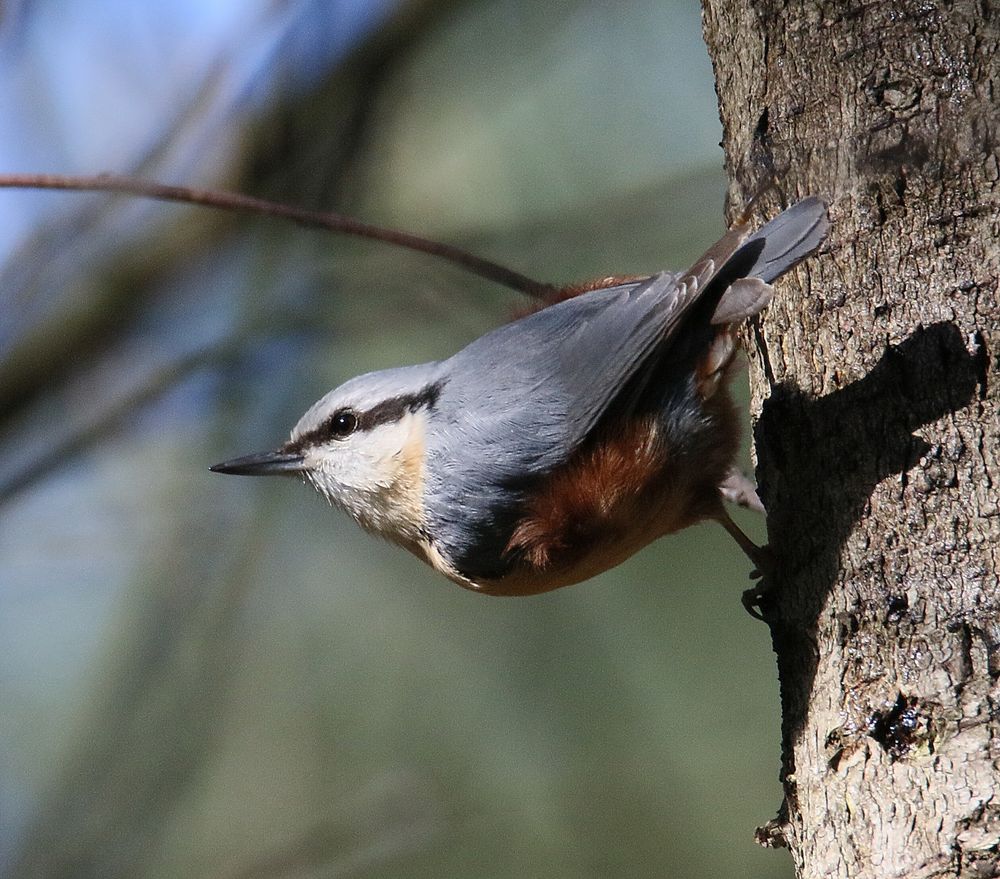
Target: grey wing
535, 388
518, 402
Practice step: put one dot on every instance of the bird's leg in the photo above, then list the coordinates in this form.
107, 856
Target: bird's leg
760, 556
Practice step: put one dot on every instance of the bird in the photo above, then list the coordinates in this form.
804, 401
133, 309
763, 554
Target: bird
558, 445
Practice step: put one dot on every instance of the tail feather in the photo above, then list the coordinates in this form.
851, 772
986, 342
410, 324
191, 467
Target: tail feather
789, 238
752, 264
742, 299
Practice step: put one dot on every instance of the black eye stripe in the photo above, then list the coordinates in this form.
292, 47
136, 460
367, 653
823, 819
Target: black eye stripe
385, 412
395, 408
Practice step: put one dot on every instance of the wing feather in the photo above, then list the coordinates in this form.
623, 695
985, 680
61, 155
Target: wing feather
519, 401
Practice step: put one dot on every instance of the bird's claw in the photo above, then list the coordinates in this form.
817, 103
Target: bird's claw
753, 601
760, 594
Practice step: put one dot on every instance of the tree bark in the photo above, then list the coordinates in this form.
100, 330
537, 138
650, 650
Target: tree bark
875, 388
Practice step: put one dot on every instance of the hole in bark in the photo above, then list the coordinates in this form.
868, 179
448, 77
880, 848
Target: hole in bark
898, 729
762, 125
897, 605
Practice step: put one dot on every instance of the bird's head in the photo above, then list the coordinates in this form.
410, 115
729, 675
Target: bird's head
363, 448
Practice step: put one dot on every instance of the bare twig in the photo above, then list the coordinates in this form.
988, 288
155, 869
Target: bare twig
233, 201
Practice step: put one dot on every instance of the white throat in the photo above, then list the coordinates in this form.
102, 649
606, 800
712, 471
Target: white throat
377, 476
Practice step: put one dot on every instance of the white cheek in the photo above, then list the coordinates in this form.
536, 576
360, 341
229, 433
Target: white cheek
356, 471
338, 474
377, 477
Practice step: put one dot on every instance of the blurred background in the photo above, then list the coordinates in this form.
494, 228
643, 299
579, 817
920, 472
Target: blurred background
219, 677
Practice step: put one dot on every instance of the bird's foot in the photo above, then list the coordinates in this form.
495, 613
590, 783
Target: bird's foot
754, 600
758, 596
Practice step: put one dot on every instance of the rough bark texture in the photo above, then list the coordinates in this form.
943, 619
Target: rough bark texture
876, 384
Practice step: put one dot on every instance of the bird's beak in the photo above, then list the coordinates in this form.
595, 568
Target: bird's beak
262, 464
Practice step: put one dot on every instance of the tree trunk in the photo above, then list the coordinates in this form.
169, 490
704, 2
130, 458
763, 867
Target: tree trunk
876, 382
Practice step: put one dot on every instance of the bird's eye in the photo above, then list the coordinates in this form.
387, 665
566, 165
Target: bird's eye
343, 424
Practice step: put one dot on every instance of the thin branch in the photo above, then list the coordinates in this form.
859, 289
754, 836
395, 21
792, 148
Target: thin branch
332, 222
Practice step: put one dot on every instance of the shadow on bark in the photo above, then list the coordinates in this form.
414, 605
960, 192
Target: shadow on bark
821, 459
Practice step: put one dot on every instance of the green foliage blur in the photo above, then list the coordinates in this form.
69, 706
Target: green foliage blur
209, 676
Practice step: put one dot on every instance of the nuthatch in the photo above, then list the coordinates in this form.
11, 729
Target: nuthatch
557, 446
